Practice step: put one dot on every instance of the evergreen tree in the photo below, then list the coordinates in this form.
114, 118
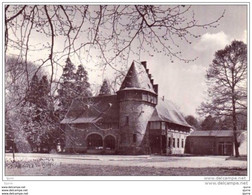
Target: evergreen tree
209, 123
105, 88
38, 115
44, 90
67, 87
68, 71
82, 84
74, 85
32, 94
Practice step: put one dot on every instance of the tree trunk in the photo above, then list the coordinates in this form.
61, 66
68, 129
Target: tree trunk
13, 150
236, 144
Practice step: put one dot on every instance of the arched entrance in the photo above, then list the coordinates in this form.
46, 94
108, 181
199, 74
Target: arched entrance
94, 142
110, 142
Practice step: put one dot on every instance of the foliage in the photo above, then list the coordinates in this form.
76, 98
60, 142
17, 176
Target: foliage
105, 88
73, 85
15, 97
9, 135
209, 123
227, 124
41, 125
227, 80
82, 84
110, 33
191, 120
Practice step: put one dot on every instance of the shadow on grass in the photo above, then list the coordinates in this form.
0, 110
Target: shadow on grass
242, 158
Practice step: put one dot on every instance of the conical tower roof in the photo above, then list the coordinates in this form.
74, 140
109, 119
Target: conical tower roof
137, 78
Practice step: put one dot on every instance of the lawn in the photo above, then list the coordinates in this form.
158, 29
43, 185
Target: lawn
105, 170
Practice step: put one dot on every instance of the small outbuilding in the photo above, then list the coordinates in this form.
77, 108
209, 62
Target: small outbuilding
214, 142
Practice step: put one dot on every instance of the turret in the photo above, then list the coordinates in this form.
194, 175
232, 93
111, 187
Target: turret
137, 99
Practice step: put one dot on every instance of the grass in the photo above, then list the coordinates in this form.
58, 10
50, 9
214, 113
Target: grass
50, 169
20, 164
242, 158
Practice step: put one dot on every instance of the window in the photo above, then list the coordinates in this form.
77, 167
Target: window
127, 120
145, 97
182, 143
155, 125
155, 100
163, 125
169, 142
134, 138
173, 142
151, 99
178, 142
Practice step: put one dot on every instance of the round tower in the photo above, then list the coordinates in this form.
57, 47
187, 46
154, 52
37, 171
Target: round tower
137, 100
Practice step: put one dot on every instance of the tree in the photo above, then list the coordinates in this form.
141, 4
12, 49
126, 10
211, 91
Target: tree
105, 88
37, 116
110, 33
227, 121
227, 78
73, 85
82, 84
191, 120
209, 123
33, 92
105, 35
16, 92
44, 91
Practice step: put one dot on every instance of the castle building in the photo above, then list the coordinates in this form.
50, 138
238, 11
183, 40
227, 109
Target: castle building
134, 121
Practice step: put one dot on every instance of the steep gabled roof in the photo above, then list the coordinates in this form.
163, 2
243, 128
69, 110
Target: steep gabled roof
93, 109
137, 78
167, 111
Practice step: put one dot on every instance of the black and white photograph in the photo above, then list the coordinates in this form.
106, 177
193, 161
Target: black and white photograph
135, 91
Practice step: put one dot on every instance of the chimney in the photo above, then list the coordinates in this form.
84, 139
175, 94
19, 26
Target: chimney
163, 98
144, 63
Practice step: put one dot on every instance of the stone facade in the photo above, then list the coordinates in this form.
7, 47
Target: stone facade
134, 121
134, 118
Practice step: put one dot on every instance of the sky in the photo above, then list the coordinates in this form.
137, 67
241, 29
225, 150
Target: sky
182, 83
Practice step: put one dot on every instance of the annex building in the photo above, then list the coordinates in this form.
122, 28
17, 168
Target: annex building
134, 121
215, 142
